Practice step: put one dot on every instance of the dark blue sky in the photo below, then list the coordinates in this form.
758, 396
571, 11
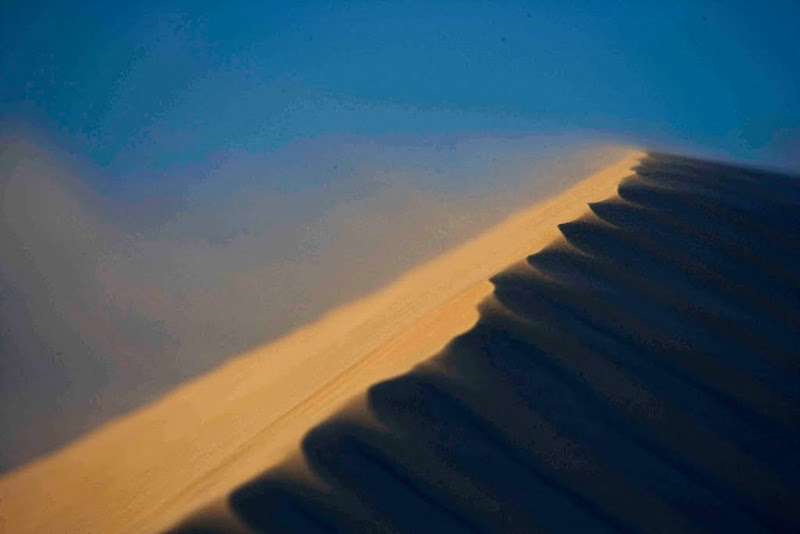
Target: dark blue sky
141, 89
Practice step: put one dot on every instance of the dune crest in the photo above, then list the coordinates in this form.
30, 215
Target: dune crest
637, 374
145, 471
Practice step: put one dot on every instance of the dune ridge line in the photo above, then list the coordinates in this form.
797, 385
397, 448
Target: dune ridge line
147, 469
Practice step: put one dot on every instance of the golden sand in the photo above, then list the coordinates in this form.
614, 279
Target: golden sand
146, 470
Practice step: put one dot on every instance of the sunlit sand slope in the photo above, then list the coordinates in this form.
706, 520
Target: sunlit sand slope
640, 373
146, 471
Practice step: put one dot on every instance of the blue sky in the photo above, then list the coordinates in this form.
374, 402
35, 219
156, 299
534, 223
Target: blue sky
138, 89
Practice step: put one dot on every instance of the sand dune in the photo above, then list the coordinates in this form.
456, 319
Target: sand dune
145, 471
639, 373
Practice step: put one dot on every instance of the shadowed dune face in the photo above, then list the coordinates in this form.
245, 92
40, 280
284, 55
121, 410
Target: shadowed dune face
639, 374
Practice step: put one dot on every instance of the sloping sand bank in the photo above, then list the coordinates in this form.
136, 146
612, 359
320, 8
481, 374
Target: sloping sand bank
641, 373
147, 470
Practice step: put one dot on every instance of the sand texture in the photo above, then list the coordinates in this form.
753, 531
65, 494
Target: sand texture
147, 470
637, 374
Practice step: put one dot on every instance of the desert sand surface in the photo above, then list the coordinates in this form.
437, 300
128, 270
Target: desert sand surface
147, 470
640, 373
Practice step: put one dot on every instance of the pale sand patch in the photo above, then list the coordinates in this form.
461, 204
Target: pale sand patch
146, 470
